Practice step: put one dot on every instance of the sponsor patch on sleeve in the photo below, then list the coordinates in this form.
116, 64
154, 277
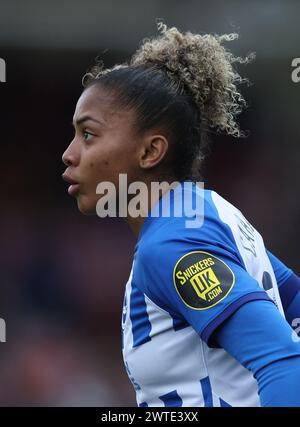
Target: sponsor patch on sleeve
202, 280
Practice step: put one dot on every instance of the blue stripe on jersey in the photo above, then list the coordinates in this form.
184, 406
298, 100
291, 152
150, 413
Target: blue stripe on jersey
171, 399
124, 312
141, 326
143, 405
179, 323
134, 383
224, 404
206, 391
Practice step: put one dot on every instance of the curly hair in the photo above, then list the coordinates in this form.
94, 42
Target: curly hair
200, 74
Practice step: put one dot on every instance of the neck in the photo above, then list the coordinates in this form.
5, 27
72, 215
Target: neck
147, 201
135, 224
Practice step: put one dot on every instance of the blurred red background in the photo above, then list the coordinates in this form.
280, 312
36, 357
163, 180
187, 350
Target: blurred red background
63, 274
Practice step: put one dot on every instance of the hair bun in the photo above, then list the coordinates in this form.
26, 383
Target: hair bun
205, 68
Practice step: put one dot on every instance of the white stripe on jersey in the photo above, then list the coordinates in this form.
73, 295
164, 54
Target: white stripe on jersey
178, 360
243, 232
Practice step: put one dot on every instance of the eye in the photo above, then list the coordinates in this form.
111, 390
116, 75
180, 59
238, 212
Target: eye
87, 135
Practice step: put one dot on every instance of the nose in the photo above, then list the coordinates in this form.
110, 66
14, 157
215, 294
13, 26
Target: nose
66, 160
70, 156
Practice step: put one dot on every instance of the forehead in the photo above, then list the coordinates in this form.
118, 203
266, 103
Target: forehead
101, 105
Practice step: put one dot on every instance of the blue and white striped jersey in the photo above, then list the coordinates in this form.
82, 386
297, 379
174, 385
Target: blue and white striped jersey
184, 283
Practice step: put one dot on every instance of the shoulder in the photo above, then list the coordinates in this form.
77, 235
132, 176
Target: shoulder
195, 270
206, 228
171, 253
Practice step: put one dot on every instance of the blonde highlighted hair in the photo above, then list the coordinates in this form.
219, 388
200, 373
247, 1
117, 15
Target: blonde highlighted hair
198, 68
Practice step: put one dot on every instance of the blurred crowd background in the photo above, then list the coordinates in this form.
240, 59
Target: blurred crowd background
62, 275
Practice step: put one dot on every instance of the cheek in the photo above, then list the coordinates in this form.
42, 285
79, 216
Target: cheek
94, 166
107, 163
97, 170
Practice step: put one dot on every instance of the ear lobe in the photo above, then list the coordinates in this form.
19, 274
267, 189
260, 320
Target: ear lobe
155, 148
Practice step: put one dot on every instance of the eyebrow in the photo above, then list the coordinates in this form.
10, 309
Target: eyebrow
85, 119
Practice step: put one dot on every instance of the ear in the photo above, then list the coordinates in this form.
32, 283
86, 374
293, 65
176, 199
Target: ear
153, 150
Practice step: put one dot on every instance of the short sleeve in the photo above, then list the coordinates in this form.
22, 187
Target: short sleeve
204, 283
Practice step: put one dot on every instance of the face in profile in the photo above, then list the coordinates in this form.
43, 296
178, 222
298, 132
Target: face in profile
104, 146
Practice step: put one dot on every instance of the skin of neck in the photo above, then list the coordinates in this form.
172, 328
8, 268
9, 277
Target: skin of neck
136, 223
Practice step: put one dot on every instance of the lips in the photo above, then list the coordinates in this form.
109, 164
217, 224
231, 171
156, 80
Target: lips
74, 187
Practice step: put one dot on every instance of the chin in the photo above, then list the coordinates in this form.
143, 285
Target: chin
85, 206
